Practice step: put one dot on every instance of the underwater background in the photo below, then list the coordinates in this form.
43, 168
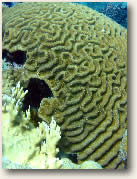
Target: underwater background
115, 10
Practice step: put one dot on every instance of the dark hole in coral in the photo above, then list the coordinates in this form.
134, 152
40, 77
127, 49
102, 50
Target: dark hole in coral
73, 158
37, 90
18, 57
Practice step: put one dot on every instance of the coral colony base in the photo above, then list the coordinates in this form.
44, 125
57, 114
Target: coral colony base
64, 88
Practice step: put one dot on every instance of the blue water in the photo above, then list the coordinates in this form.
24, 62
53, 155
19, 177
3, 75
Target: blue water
115, 10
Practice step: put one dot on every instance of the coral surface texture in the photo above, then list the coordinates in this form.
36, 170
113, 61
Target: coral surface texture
81, 55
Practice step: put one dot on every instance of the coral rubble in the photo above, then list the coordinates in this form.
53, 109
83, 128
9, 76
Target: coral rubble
82, 56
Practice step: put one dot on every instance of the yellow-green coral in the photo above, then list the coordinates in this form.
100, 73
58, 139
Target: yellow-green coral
82, 56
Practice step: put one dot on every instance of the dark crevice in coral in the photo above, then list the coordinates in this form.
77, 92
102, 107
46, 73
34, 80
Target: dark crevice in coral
72, 156
37, 90
18, 57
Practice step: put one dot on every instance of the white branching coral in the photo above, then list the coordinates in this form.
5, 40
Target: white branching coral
22, 142
16, 97
25, 145
12, 108
48, 137
53, 135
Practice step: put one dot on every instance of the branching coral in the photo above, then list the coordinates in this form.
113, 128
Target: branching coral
12, 106
53, 135
21, 140
25, 146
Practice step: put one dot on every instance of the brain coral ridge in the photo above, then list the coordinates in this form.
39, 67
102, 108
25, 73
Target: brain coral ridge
82, 56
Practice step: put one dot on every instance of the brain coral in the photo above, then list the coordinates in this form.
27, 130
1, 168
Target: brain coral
82, 56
